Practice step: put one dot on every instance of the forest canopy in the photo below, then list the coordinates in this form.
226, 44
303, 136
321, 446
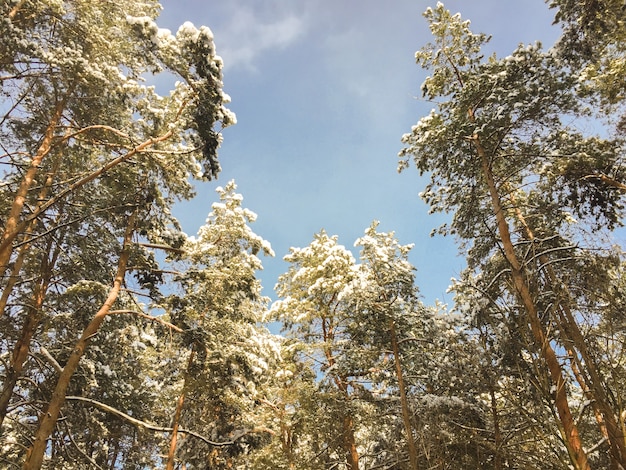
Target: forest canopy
126, 343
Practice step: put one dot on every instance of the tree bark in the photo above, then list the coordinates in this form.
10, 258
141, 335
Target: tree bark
522, 290
406, 413
179, 410
348, 439
35, 454
571, 333
9, 235
12, 221
33, 318
21, 256
352, 458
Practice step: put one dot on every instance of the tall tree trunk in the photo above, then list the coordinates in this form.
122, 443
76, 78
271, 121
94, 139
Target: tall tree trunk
179, 410
352, 457
12, 221
33, 318
571, 333
406, 413
497, 434
35, 454
522, 290
347, 422
8, 236
23, 250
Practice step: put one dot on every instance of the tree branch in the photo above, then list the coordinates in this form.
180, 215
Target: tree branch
143, 424
149, 317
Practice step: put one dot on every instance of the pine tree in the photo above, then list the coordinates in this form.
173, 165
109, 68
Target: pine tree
95, 161
313, 311
516, 178
226, 355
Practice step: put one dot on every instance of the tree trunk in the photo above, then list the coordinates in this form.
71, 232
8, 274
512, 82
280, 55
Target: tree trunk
179, 410
406, 413
497, 435
22, 347
21, 256
11, 224
571, 333
352, 455
348, 439
35, 454
522, 290
600, 398
12, 231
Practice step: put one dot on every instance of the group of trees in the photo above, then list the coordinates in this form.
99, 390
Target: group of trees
125, 343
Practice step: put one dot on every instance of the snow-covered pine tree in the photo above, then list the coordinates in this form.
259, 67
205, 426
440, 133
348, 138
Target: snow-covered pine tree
225, 355
526, 190
95, 160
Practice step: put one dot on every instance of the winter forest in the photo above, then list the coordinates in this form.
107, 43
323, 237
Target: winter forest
127, 344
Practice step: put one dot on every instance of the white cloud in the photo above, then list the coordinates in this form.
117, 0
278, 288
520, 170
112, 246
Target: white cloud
246, 35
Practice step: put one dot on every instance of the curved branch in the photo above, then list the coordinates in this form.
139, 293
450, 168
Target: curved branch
149, 317
143, 424
10, 235
608, 180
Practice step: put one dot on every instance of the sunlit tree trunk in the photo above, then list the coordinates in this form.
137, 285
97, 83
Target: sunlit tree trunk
406, 413
13, 229
11, 224
352, 461
592, 386
35, 454
31, 322
177, 414
23, 250
522, 290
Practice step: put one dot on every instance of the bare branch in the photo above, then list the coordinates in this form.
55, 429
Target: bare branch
145, 425
149, 317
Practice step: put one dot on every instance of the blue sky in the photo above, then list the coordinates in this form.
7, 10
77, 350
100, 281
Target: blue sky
323, 91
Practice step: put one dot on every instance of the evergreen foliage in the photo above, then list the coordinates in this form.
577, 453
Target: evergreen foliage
125, 343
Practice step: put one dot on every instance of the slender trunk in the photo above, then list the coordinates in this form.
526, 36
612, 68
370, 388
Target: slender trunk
35, 454
16, 9
570, 331
22, 347
522, 290
352, 457
286, 433
13, 278
12, 221
177, 414
497, 435
600, 398
348, 439
406, 413
287, 442
582, 382
33, 317
8, 237
21, 255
